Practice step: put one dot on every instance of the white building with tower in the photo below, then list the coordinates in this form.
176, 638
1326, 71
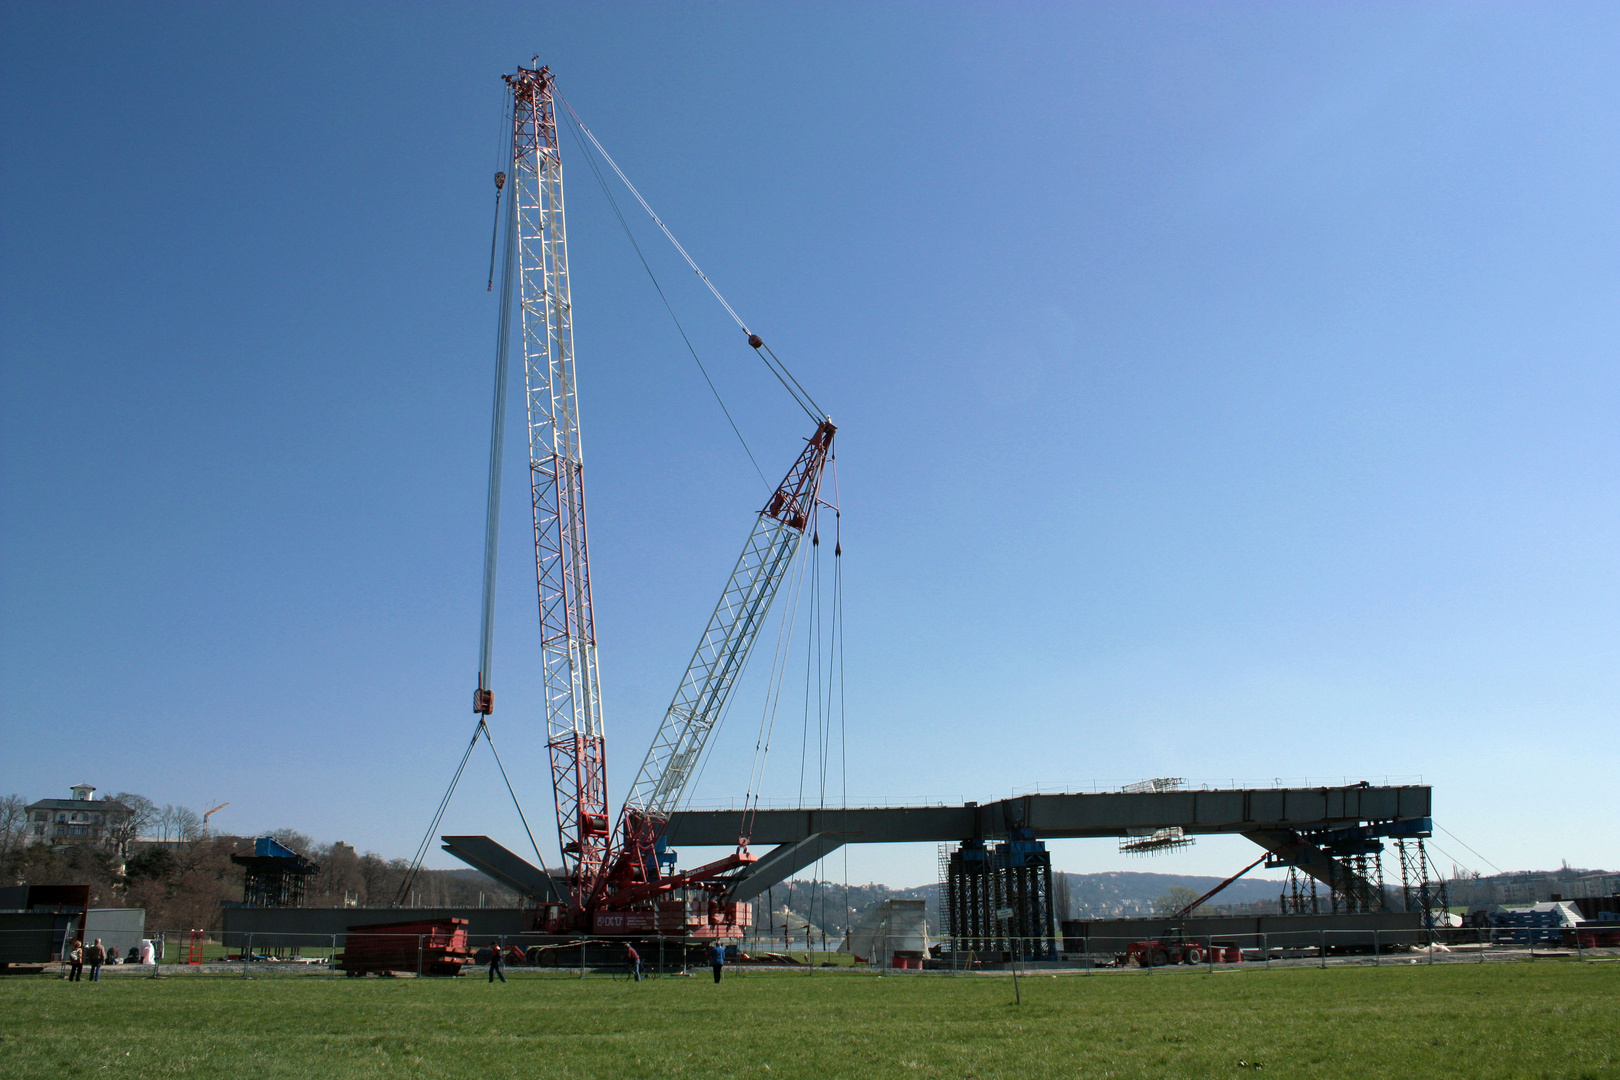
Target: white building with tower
82, 819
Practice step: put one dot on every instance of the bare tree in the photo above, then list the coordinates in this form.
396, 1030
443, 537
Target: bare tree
140, 819
188, 824
1174, 899
381, 877
165, 820
13, 825
1062, 900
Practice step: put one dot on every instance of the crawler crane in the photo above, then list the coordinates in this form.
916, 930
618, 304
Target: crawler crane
614, 878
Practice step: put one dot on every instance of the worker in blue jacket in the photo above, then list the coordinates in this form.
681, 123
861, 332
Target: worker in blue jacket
717, 957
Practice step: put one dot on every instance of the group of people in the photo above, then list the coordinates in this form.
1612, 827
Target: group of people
80, 954
632, 961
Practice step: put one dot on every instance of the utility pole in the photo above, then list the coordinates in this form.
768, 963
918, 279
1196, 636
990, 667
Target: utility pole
1005, 914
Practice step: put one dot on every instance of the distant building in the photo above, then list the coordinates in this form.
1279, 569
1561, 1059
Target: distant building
83, 819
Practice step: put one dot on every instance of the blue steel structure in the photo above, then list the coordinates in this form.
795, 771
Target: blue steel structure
997, 900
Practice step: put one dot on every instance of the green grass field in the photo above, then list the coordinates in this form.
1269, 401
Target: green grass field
1462, 1022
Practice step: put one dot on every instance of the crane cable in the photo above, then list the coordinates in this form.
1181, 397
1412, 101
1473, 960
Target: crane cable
838, 629
492, 518
796, 391
490, 739
773, 695
834, 657
601, 182
438, 815
444, 804
497, 447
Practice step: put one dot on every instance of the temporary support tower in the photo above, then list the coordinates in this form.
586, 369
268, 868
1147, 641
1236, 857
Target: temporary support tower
999, 899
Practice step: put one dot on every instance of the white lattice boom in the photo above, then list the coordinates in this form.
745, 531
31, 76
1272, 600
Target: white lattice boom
562, 565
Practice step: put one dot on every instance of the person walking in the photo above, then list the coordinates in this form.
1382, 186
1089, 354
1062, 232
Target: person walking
717, 958
495, 963
95, 955
75, 959
632, 960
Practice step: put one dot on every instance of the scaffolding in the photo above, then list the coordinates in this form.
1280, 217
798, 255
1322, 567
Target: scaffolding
1155, 785
1420, 891
274, 875
997, 901
1157, 842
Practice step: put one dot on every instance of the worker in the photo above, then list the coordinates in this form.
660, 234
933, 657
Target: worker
95, 955
75, 959
495, 963
632, 960
717, 958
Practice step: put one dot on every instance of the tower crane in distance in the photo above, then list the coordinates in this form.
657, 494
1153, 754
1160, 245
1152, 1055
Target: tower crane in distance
609, 874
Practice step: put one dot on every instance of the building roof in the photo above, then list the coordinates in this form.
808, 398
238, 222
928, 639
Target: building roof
77, 804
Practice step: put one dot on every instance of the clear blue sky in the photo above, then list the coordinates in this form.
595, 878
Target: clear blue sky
1225, 391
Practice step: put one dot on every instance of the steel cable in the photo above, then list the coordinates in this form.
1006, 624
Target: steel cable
601, 182
444, 803
490, 739
800, 396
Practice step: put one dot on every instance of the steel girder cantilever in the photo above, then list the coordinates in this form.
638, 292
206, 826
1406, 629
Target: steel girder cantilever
1289, 847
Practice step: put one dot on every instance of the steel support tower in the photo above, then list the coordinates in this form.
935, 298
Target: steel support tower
556, 467
982, 882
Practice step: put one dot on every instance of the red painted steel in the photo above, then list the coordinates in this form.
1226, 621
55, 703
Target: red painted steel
431, 946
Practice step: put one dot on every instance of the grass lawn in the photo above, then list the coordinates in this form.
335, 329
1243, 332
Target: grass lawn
1455, 1021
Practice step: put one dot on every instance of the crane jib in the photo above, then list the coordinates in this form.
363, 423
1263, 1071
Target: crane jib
719, 659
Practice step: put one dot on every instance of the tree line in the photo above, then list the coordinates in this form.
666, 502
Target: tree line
164, 861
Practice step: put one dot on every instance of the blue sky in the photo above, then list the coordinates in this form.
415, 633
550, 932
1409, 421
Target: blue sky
1225, 391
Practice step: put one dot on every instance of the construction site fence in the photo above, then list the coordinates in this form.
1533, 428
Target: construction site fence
1294, 948
315, 955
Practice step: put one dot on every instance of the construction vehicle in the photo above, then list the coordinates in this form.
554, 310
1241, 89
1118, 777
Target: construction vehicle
616, 878
1175, 947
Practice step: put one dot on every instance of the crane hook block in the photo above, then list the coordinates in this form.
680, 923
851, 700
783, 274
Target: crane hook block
500, 180
483, 701
755, 340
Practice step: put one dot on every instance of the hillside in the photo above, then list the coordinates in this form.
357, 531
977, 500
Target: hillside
1090, 896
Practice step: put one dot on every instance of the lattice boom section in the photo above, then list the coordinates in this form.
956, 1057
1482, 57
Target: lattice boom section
562, 563
715, 665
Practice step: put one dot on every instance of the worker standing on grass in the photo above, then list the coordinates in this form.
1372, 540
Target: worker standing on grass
95, 956
632, 960
495, 963
75, 959
717, 957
